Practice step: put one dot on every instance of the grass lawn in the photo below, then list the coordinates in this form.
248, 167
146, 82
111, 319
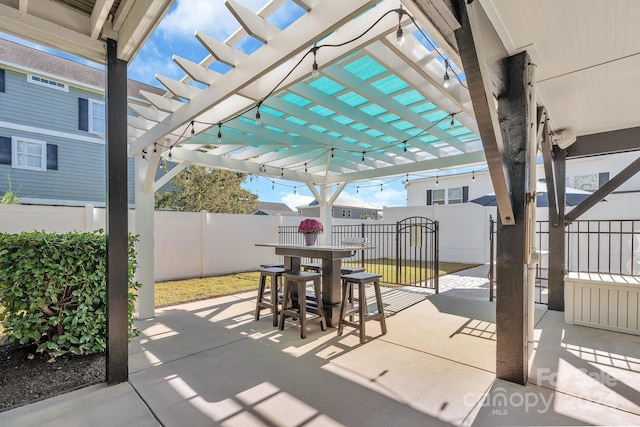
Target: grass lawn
180, 291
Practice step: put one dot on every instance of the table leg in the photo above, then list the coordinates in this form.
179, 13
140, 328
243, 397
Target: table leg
331, 287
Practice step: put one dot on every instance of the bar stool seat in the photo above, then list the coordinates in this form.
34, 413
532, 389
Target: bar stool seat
269, 299
305, 307
314, 267
347, 269
272, 265
360, 279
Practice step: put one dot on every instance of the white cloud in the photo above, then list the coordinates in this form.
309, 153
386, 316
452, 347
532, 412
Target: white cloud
295, 200
211, 17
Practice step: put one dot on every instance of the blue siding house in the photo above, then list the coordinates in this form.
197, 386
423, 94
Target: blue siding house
52, 128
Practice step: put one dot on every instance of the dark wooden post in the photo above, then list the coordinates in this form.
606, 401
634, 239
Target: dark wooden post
116, 218
557, 252
511, 272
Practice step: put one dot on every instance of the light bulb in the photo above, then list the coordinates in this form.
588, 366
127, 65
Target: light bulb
219, 133
400, 39
314, 70
447, 81
258, 121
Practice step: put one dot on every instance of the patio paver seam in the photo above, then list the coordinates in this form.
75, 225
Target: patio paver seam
144, 401
438, 356
554, 390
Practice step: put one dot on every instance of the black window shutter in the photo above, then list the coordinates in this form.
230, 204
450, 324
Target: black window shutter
465, 194
429, 197
1, 80
52, 157
603, 178
83, 114
5, 150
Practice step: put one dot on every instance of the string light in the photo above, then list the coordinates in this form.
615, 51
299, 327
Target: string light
294, 190
258, 121
473, 176
305, 167
281, 171
273, 185
400, 39
188, 174
381, 187
436, 180
446, 82
144, 154
314, 68
453, 123
155, 150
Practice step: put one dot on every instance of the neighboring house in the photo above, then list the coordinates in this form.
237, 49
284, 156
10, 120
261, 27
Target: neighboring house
271, 208
52, 128
343, 207
588, 173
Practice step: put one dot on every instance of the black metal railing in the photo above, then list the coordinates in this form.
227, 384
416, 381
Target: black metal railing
405, 253
604, 246
591, 246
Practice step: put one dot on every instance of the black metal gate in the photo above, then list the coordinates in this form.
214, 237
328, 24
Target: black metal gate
417, 261
405, 253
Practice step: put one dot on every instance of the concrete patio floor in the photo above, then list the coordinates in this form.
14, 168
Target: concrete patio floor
209, 363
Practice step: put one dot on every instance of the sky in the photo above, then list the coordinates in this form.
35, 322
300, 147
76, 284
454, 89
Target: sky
175, 36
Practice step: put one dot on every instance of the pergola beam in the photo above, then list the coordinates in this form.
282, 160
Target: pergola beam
472, 44
617, 141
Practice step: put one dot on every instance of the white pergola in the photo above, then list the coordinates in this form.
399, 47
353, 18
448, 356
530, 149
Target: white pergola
376, 109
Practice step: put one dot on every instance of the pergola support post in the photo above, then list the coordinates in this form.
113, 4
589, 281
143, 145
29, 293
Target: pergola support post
512, 307
145, 223
557, 231
116, 218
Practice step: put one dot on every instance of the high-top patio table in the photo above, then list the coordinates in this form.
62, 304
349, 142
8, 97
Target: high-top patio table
331, 257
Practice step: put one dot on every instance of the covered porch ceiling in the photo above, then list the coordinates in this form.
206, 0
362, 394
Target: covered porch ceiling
377, 109
82, 27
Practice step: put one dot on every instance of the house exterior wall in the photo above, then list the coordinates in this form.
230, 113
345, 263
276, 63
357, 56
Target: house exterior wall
585, 173
44, 113
337, 212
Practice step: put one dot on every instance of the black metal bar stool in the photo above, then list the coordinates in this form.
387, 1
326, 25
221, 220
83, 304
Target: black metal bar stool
361, 279
275, 273
304, 306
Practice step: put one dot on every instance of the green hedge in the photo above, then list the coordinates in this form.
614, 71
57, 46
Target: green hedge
53, 290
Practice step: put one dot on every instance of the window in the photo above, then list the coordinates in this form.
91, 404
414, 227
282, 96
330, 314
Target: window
96, 117
455, 196
47, 82
1, 80
438, 197
29, 154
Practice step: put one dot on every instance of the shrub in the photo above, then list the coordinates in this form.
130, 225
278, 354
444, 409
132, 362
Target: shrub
53, 289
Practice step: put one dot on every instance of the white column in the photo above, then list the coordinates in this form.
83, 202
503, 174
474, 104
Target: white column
325, 214
145, 248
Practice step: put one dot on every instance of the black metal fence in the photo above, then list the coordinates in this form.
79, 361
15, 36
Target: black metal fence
592, 246
406, 253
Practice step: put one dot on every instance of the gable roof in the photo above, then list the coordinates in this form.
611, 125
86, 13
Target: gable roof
273, 208
36, 61
346, 202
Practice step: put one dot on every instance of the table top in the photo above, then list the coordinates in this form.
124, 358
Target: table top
319, 248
